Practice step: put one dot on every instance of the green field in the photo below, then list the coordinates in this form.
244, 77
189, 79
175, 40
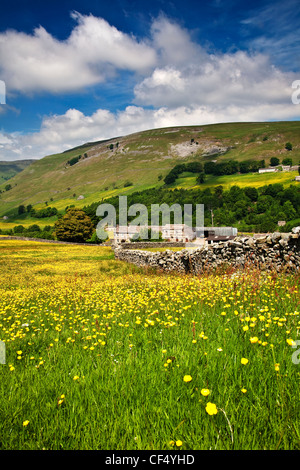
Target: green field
103, 355
227, 181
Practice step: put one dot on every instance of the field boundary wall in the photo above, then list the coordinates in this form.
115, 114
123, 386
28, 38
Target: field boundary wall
277, 251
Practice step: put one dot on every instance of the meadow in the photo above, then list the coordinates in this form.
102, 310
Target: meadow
101, 354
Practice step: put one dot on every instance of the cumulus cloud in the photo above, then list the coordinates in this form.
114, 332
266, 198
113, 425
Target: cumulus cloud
173, 44
228, 79
92, 52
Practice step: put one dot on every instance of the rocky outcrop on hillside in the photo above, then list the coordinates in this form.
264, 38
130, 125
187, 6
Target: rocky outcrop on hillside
277, 251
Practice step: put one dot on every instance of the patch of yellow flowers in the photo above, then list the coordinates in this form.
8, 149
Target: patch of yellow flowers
63, 294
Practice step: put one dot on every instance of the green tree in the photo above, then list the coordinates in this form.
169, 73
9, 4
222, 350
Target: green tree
21, 209
74, 226
33, 228
274, 161
289, 146
201, 178
251, 192
218, 190
19, 229
289, 210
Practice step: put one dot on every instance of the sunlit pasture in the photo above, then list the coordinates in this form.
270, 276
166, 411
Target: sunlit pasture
101, 354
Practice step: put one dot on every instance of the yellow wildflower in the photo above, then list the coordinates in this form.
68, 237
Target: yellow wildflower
211, 408
187, 378
244, 361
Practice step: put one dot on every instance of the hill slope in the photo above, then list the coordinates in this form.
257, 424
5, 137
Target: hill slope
10, 169
141, 160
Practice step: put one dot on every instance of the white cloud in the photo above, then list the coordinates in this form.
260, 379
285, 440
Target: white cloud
228, 79
92, 52
173, 44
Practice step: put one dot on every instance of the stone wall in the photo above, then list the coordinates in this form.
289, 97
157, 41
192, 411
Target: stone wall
137, 245
277, 251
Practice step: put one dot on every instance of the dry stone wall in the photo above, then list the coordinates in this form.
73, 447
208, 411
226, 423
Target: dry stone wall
137, 245
277, 251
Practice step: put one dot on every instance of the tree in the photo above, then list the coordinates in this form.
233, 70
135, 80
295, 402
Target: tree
201, 178
251, 193
194, 167
218, 190
19, 229
34, 228
274, 161
289, 210
289, 146
287, 161
170, 178
21, 209
74, 160
74, 226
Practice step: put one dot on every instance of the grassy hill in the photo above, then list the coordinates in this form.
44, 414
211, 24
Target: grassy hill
140, 161
10, 169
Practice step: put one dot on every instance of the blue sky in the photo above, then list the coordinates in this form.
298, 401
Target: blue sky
78, 71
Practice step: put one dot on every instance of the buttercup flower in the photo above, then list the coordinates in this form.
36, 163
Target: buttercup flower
187, 378
205, 392
244, 361
211, 408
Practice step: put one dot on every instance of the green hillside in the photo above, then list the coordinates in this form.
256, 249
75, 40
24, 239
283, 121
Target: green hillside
140, 161
10, 169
